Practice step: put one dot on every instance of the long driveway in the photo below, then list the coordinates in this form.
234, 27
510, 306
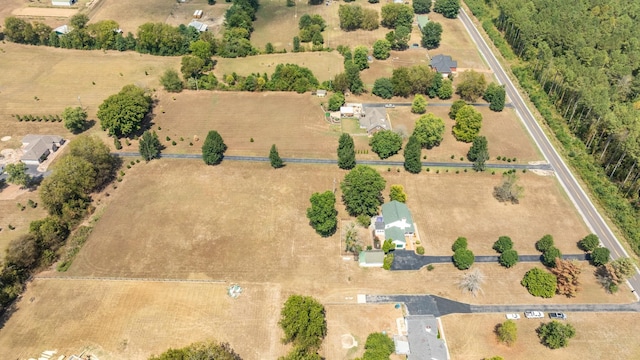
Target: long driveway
589, 213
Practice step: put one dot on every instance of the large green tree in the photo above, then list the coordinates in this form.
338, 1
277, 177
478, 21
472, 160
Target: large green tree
122, 114
431, 35
383, 87
149, 146
213, 148
455, 107
303, 321
468, 124
171, 81
336, 101
66, 191
589, 242
362, 191
448, 8
75, 119
446, 90
386, 143
471, 85
495, 96
421, 6
540, 283
17, 174
428, 130
555, 334
479, 153
419, 104
191, 66
346, 152
360, 54
412, 152
97, 153
350, 16
378, 346
381, 49
274, 158
394, 15
322, 214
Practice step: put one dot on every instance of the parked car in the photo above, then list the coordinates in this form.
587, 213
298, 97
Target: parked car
558, 315
389, 106
534, 314
513, 316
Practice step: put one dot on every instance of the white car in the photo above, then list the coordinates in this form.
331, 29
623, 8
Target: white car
389, 106
513, 316
534, 314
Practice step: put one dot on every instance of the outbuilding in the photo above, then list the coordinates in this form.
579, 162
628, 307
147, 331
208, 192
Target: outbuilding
202, 27
62, 2
371, 258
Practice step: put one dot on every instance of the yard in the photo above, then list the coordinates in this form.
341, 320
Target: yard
11, 215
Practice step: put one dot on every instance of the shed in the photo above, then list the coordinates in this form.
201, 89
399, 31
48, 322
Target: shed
62, 2
422, 21
36, 148
202, 27
371, 258
346, 111
321, 93
62, 30
197, 14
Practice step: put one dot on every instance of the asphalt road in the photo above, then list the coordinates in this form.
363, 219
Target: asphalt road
589, 213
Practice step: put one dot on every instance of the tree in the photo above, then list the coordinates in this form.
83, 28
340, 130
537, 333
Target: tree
612, 274
397, 193
97, 153
381, 49
463, 259
303, 321
468, 124
388, 261
589, 242
471, 85
446, 90
352, 240
383, 87
460, 243
567, 272
17, 174
336, 101
201, 350
394, 15
269, 48
296, 44
419, 105
171, 81
495, 96
503, 244
479, 153
448, 8
412, 153
508, 190
540, 283
79, 21
399, 38
386, 143
104, 34
370, 20
191, 66
422, 6
508, 258
351, 17
75, 119
600, 256
49, 232
149, 146
362, 191
455, 107
322, 214
213, 148
378, 346
346, 152
507, 332
428, 130
353, 77
65, 192
550, 256
545, 243
388, 246
122, 114
360, 57
555, 335
471, 282
431, 35
22, 252
274, 158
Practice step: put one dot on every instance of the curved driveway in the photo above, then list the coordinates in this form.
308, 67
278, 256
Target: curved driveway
592, 218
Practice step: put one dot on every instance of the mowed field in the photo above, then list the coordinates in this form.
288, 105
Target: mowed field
10, 214
598, 336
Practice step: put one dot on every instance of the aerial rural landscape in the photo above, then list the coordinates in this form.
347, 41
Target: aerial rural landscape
319, 179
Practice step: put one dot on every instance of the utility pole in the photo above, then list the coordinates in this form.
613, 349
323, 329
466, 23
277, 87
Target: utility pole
79, 101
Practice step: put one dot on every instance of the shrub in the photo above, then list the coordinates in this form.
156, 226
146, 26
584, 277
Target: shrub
503, 244
508, 258
555, 335
430, 267
550, 255
460, 243
507, 332
364, 220
600, 256
388, 261
420, 250
544, 243
463, 259
589, 243
540, 283
117, 143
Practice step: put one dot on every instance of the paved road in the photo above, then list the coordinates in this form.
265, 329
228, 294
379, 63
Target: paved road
439, 306
582, 202
409, 260
508, 105
466, 165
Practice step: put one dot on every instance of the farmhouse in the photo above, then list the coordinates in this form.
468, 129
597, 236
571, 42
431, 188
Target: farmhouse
36, 148
202, 27
62, 2
374, 119
444, 64
395, 224
422, 21
371, 258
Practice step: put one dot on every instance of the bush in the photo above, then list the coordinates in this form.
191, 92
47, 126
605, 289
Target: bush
503, 244
600, 256
388, 261
463, 259
507, 332
508, 258
550, 255
540, 283
589, 243
364, 220
544, 243
420, 250
555, 335
460, 243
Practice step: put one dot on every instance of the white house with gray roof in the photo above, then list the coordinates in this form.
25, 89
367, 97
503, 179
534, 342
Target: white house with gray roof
36, 148
395, 223
425, 342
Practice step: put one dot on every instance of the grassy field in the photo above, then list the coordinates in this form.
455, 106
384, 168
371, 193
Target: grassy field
598, 336
10, 214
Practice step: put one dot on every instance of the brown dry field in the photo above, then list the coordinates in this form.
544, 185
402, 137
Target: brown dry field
598, 336
47, 12
10, 196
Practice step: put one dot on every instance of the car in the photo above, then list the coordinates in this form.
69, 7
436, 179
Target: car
558, 315
389, 106
534, 314
513, 316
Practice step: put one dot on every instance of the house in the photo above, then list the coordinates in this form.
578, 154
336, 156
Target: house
374, 119
202, 27
424, 339
371, 258
321, 93
422, 21
444, 64
395, 223
62, 30
62, 2
36, 148
197, 14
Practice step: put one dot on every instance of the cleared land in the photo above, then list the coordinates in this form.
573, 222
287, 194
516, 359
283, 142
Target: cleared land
47, 12
598, 336
130, 15
10, 214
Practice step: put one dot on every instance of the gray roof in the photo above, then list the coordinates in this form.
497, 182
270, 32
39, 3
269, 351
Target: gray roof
198, 25
35, 146
371, 257
443, 63
62, 30
374, 117
424, 344
395, 211
379, 223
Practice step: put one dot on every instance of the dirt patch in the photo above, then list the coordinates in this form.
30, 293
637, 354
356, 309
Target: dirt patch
47, 12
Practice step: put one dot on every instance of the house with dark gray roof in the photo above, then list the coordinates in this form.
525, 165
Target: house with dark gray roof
424, 339
444, 64
374, 119
36, 148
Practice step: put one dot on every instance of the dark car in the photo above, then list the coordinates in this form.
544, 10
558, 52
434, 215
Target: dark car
557, 315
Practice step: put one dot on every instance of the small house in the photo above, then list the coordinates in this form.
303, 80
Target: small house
197, 14
201, 27
36, 148
321, 93
444, 65
371, 258
62, 2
